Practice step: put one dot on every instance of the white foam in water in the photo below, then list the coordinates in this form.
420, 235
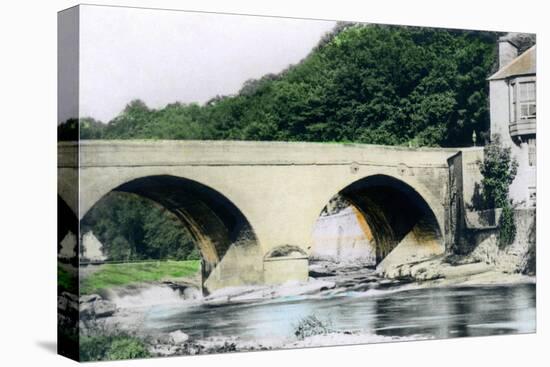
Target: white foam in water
146, 296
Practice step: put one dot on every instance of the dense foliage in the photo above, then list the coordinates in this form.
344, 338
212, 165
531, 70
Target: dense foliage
67, 281
499, 169
374, 84
363, 83
133, 228
111, 347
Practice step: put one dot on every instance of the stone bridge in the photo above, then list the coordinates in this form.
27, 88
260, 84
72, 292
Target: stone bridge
252, 206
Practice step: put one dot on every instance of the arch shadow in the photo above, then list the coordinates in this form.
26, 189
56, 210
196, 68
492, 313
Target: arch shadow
67, 225
393, 209
213, 221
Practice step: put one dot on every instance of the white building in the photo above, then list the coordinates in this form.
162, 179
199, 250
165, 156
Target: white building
512, 91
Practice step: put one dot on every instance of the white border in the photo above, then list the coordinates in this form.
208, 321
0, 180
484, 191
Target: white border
28, 182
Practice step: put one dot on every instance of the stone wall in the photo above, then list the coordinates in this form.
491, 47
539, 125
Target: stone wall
516, 257
475, 231
343, 237
279, 188
465, 200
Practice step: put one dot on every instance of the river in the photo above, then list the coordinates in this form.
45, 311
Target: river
411, 313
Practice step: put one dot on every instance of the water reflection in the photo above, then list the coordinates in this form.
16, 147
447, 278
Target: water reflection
439, 313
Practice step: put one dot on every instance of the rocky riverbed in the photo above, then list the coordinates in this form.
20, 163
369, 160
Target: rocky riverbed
132, 310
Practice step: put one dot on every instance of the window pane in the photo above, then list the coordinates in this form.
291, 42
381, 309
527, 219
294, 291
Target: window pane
531, 91
513, 112
522, 92
532, 143
527, 110
532, 109
524, 110
527, 91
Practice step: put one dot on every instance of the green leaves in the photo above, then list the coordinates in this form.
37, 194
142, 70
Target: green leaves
111, 347
507, 226
376, 84
133, 228
499, 169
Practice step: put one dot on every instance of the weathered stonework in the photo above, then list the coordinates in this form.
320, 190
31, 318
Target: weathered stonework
243, 199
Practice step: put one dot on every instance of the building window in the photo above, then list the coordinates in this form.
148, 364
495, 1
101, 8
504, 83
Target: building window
532, 144
527, 102
532, 196
513, 98
523, 99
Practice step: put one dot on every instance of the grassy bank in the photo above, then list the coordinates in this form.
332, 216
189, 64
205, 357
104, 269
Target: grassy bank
115, 275
67, 280
116, 347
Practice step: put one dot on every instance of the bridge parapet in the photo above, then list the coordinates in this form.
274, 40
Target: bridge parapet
95, 153
279, 187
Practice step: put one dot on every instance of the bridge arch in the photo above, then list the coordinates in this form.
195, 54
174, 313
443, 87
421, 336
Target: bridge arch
67, 232
218, 227
66, 219
397, 212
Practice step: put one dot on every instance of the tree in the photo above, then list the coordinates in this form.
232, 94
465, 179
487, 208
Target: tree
134, 228
499, 169
91, 128
375, 84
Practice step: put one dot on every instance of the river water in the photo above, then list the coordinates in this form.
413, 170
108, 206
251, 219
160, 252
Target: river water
417, 313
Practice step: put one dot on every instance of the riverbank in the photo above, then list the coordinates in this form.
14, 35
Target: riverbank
170, 347
169, 318
101, 278
327, 279
443, 271
402, 312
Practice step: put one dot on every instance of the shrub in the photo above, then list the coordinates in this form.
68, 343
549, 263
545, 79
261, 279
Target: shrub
127, 348
499, 169
530, 263
66, 280
507, 226
310, 326
94, 348
111, 347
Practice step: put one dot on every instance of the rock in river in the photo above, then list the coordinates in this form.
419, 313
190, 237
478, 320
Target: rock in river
93, 306
178, 337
